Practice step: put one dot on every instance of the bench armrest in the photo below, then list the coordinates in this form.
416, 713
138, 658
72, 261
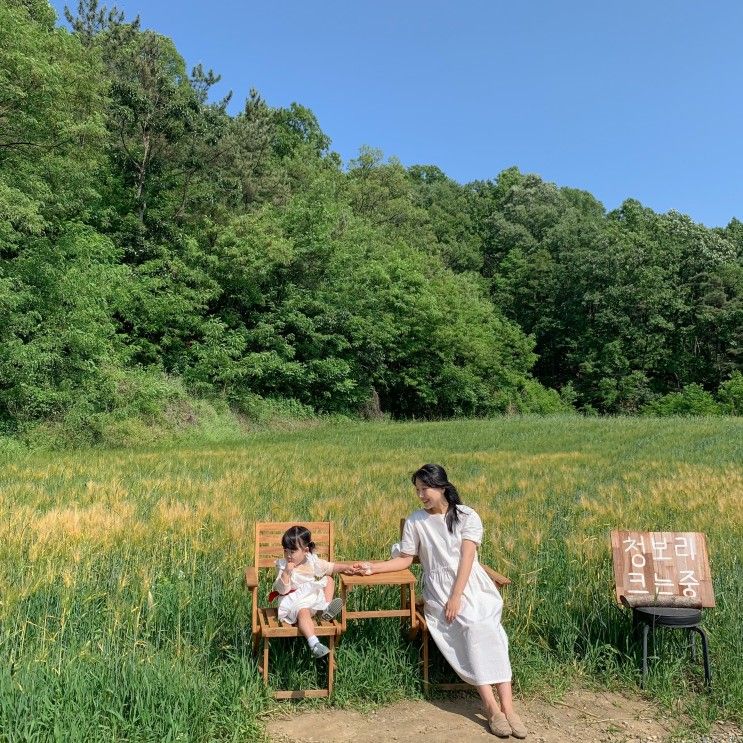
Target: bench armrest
251, 583
251, 578
497, 578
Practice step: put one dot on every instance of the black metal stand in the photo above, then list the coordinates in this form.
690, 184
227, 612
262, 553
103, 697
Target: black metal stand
651, 617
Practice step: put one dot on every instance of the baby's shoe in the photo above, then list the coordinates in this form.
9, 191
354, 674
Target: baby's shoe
332, 610
518, 729
499, 725
319, 650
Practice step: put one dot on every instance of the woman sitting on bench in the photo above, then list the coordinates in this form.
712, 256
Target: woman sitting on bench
462, 604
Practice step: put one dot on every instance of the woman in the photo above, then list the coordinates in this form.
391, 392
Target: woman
462, 604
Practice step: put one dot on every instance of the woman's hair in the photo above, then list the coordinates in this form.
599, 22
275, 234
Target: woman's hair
297, 538
434, 476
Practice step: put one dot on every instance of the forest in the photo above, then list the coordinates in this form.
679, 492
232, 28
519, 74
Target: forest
159, 254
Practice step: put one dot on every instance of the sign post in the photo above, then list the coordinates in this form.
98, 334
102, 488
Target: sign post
664, 577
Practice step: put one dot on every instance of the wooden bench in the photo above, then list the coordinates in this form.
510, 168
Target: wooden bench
420, 626
265, 623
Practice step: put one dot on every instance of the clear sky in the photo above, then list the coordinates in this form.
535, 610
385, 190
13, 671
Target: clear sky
640, 98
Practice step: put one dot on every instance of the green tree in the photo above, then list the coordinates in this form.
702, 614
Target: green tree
51, 123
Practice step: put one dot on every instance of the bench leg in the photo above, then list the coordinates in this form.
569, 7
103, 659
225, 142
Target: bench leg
645, 631
344, 598
331, 664
265, 660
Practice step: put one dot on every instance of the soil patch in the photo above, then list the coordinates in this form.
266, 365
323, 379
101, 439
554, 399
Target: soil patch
603, 717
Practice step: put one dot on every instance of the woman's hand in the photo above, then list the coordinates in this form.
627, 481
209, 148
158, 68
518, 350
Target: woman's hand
289, 569
452, 608
361, 568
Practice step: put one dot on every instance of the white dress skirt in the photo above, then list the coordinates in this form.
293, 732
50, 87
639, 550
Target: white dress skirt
474, 644
307, 585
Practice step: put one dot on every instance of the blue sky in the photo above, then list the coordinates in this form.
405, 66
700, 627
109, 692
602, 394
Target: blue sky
631, 99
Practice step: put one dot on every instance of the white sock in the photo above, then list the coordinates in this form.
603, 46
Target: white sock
312, 641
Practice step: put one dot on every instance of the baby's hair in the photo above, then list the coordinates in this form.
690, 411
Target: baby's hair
434, 476
297, 538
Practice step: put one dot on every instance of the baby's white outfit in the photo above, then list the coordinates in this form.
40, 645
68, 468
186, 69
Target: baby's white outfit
307, 586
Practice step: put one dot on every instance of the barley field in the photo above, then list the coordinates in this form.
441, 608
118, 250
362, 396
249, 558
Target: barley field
122, 615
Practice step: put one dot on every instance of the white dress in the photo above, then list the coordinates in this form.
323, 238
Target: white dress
307, 586
475, 643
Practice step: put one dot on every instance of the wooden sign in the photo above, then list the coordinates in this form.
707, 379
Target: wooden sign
662, 568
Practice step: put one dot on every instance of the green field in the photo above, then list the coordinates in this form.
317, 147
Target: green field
122, 614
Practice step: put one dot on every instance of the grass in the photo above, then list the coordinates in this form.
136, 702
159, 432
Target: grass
122, 616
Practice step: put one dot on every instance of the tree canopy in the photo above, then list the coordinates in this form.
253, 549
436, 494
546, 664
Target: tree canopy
150, 240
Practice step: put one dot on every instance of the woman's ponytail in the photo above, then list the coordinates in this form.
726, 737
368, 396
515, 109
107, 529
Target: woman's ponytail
452, 512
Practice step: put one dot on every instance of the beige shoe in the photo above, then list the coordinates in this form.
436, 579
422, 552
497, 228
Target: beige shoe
499, 725
518, 729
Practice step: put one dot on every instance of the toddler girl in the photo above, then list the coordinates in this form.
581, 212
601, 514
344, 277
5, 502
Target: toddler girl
303, 585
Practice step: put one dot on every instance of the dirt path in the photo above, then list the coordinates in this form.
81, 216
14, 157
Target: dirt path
603, 717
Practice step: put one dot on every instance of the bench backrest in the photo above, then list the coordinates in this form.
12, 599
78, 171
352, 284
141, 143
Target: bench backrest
268, 535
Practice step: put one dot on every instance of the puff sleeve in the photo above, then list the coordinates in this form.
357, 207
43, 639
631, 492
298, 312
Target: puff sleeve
323, 567
278, 585
472, 527
410, 539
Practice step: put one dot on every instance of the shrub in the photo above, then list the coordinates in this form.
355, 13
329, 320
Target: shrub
533, 397
692, 400
730, 394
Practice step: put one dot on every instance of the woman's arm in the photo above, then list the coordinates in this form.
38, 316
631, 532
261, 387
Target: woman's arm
387, 566
467, 557
349, 568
